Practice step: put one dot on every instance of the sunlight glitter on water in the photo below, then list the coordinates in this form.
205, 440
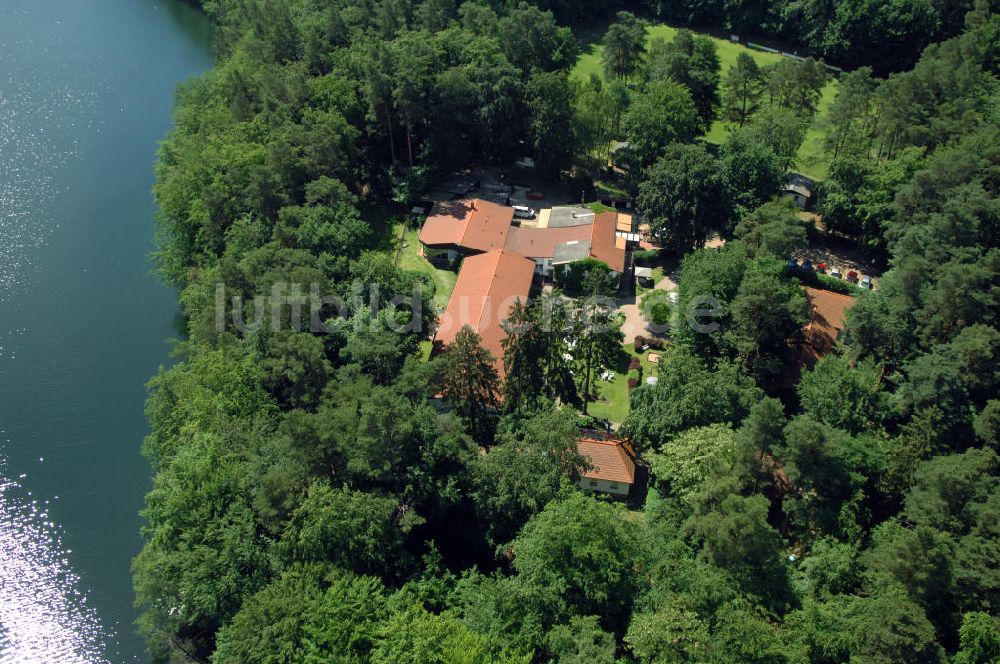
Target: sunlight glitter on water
37, 127
44, 617
85, 94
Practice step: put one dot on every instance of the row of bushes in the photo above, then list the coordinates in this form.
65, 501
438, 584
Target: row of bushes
826, 282
646, 257
592, 422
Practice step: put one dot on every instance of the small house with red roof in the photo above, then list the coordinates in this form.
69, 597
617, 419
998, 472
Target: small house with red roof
827, 316
604, 244
540, 244
612, 464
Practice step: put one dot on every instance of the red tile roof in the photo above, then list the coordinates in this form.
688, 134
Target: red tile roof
611, 460
476, 225
541, 242
602, 244
487, 287
828, 311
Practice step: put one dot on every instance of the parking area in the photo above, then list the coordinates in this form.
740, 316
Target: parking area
840, 255
529, 188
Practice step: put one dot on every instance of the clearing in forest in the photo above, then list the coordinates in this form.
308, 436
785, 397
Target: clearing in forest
812, 159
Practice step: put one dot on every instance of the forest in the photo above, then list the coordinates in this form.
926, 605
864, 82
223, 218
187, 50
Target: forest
314, 501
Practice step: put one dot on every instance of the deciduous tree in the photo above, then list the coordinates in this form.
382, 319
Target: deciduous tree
662, 114
684, 197
691, 60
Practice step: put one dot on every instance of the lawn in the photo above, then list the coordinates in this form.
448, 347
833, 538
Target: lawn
598, 207
410, 259
812, 159
614, 404
590, 60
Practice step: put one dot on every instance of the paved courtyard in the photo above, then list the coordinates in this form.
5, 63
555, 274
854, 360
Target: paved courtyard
634, 324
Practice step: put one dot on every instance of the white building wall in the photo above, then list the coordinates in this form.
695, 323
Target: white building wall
543, 266
797, 199
604, 486
432, 253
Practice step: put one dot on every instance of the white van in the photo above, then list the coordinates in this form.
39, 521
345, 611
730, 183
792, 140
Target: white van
523, 212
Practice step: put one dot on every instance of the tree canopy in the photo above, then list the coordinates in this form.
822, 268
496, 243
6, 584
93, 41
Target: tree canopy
328, 485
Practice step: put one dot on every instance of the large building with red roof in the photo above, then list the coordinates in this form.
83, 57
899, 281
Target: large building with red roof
467, 227
500, 260
488, 285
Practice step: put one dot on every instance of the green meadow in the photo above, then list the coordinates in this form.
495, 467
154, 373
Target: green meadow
812, 158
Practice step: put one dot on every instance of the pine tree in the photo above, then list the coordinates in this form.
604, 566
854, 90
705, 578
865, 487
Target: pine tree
742, 90
471, 383
522, 354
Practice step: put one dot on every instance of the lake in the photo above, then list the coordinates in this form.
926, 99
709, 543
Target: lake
86, 91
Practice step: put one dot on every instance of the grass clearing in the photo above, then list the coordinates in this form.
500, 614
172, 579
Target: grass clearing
610, 188
613, 394
653, 499
812, 158
598, 207
410, 259
590, 60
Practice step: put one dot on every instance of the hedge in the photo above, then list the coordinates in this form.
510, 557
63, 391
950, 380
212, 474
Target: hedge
825, 282
651, 342
646, 257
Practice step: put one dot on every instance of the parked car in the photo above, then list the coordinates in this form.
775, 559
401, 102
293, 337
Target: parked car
821, 268
852, 276
523, 212
793, 264
835, 273
807, 266
866, 282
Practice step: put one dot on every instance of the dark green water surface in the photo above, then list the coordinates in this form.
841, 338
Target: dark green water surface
86, 90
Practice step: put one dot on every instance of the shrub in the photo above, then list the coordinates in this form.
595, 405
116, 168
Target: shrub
656, 307
634, 373
826, 282
633, 383
573, 275
640, 343
634, 363
591, 422
660, 314
656, 344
